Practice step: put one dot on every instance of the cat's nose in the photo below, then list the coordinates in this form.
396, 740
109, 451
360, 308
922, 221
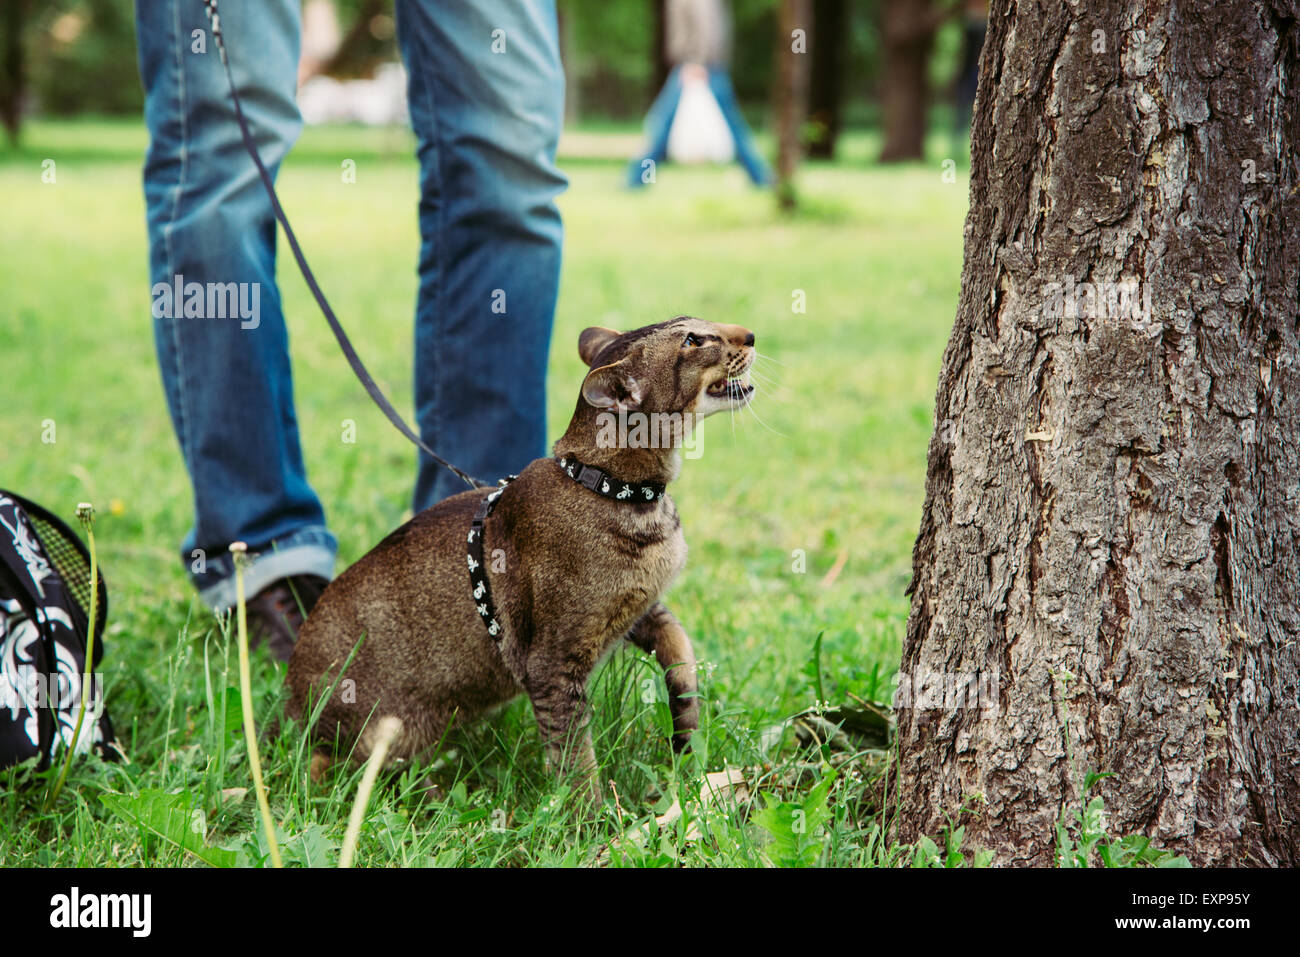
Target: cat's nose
738, 335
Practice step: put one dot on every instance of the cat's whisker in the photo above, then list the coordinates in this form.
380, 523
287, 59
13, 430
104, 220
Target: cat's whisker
773, 393
767, 381
759, 420
765, 375
767, 358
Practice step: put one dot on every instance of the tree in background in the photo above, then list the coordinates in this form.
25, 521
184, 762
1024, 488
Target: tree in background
791, 93
13, 68
82, 57
1110, 543
662, 65
369, 39
69, 57
908, 29
830, 38
65, 57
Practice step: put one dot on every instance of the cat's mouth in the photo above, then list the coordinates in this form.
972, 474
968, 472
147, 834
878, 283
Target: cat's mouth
737, 388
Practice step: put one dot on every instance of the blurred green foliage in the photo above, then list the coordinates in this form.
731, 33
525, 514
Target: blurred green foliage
81, 55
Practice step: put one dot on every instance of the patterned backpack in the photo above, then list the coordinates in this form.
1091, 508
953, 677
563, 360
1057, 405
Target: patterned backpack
44, 614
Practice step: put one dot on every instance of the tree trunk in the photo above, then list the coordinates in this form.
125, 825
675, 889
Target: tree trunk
660, 68
359, 50
826, 84
791, 93
1111, 533
907, 29
13, 68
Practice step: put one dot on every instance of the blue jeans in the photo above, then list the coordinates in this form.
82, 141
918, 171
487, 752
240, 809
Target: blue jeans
659, 121
486, 125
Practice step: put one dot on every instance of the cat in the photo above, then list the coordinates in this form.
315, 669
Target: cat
572, 555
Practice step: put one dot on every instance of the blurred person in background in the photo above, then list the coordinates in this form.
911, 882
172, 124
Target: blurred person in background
682, 122
485, 93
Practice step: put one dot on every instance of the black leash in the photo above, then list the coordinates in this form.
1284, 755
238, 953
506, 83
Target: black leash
345, 344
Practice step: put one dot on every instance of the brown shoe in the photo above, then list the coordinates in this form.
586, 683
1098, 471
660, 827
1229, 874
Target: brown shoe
278, 611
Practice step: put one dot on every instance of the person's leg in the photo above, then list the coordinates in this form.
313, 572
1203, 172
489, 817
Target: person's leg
226, 380
659, 122
746, 151
487, 101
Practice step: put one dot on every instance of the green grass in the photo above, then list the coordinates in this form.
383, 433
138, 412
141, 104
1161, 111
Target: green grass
839, 470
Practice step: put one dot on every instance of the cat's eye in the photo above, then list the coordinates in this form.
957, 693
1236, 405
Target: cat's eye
692, 340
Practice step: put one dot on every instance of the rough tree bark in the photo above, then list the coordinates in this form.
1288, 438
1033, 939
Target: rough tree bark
1111, 529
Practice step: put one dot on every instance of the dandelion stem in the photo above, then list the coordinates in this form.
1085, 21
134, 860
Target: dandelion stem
246, 693
86, 515
389, 727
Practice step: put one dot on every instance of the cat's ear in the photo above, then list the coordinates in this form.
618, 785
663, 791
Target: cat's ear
593, 339
612, 387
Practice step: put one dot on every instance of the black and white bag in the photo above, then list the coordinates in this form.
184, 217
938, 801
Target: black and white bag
44, 614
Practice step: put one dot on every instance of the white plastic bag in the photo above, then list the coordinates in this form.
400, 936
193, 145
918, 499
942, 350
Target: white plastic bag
699, 133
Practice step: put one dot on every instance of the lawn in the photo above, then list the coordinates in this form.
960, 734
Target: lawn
799, 525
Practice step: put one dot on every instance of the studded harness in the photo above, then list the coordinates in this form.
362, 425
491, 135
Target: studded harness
588, 476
